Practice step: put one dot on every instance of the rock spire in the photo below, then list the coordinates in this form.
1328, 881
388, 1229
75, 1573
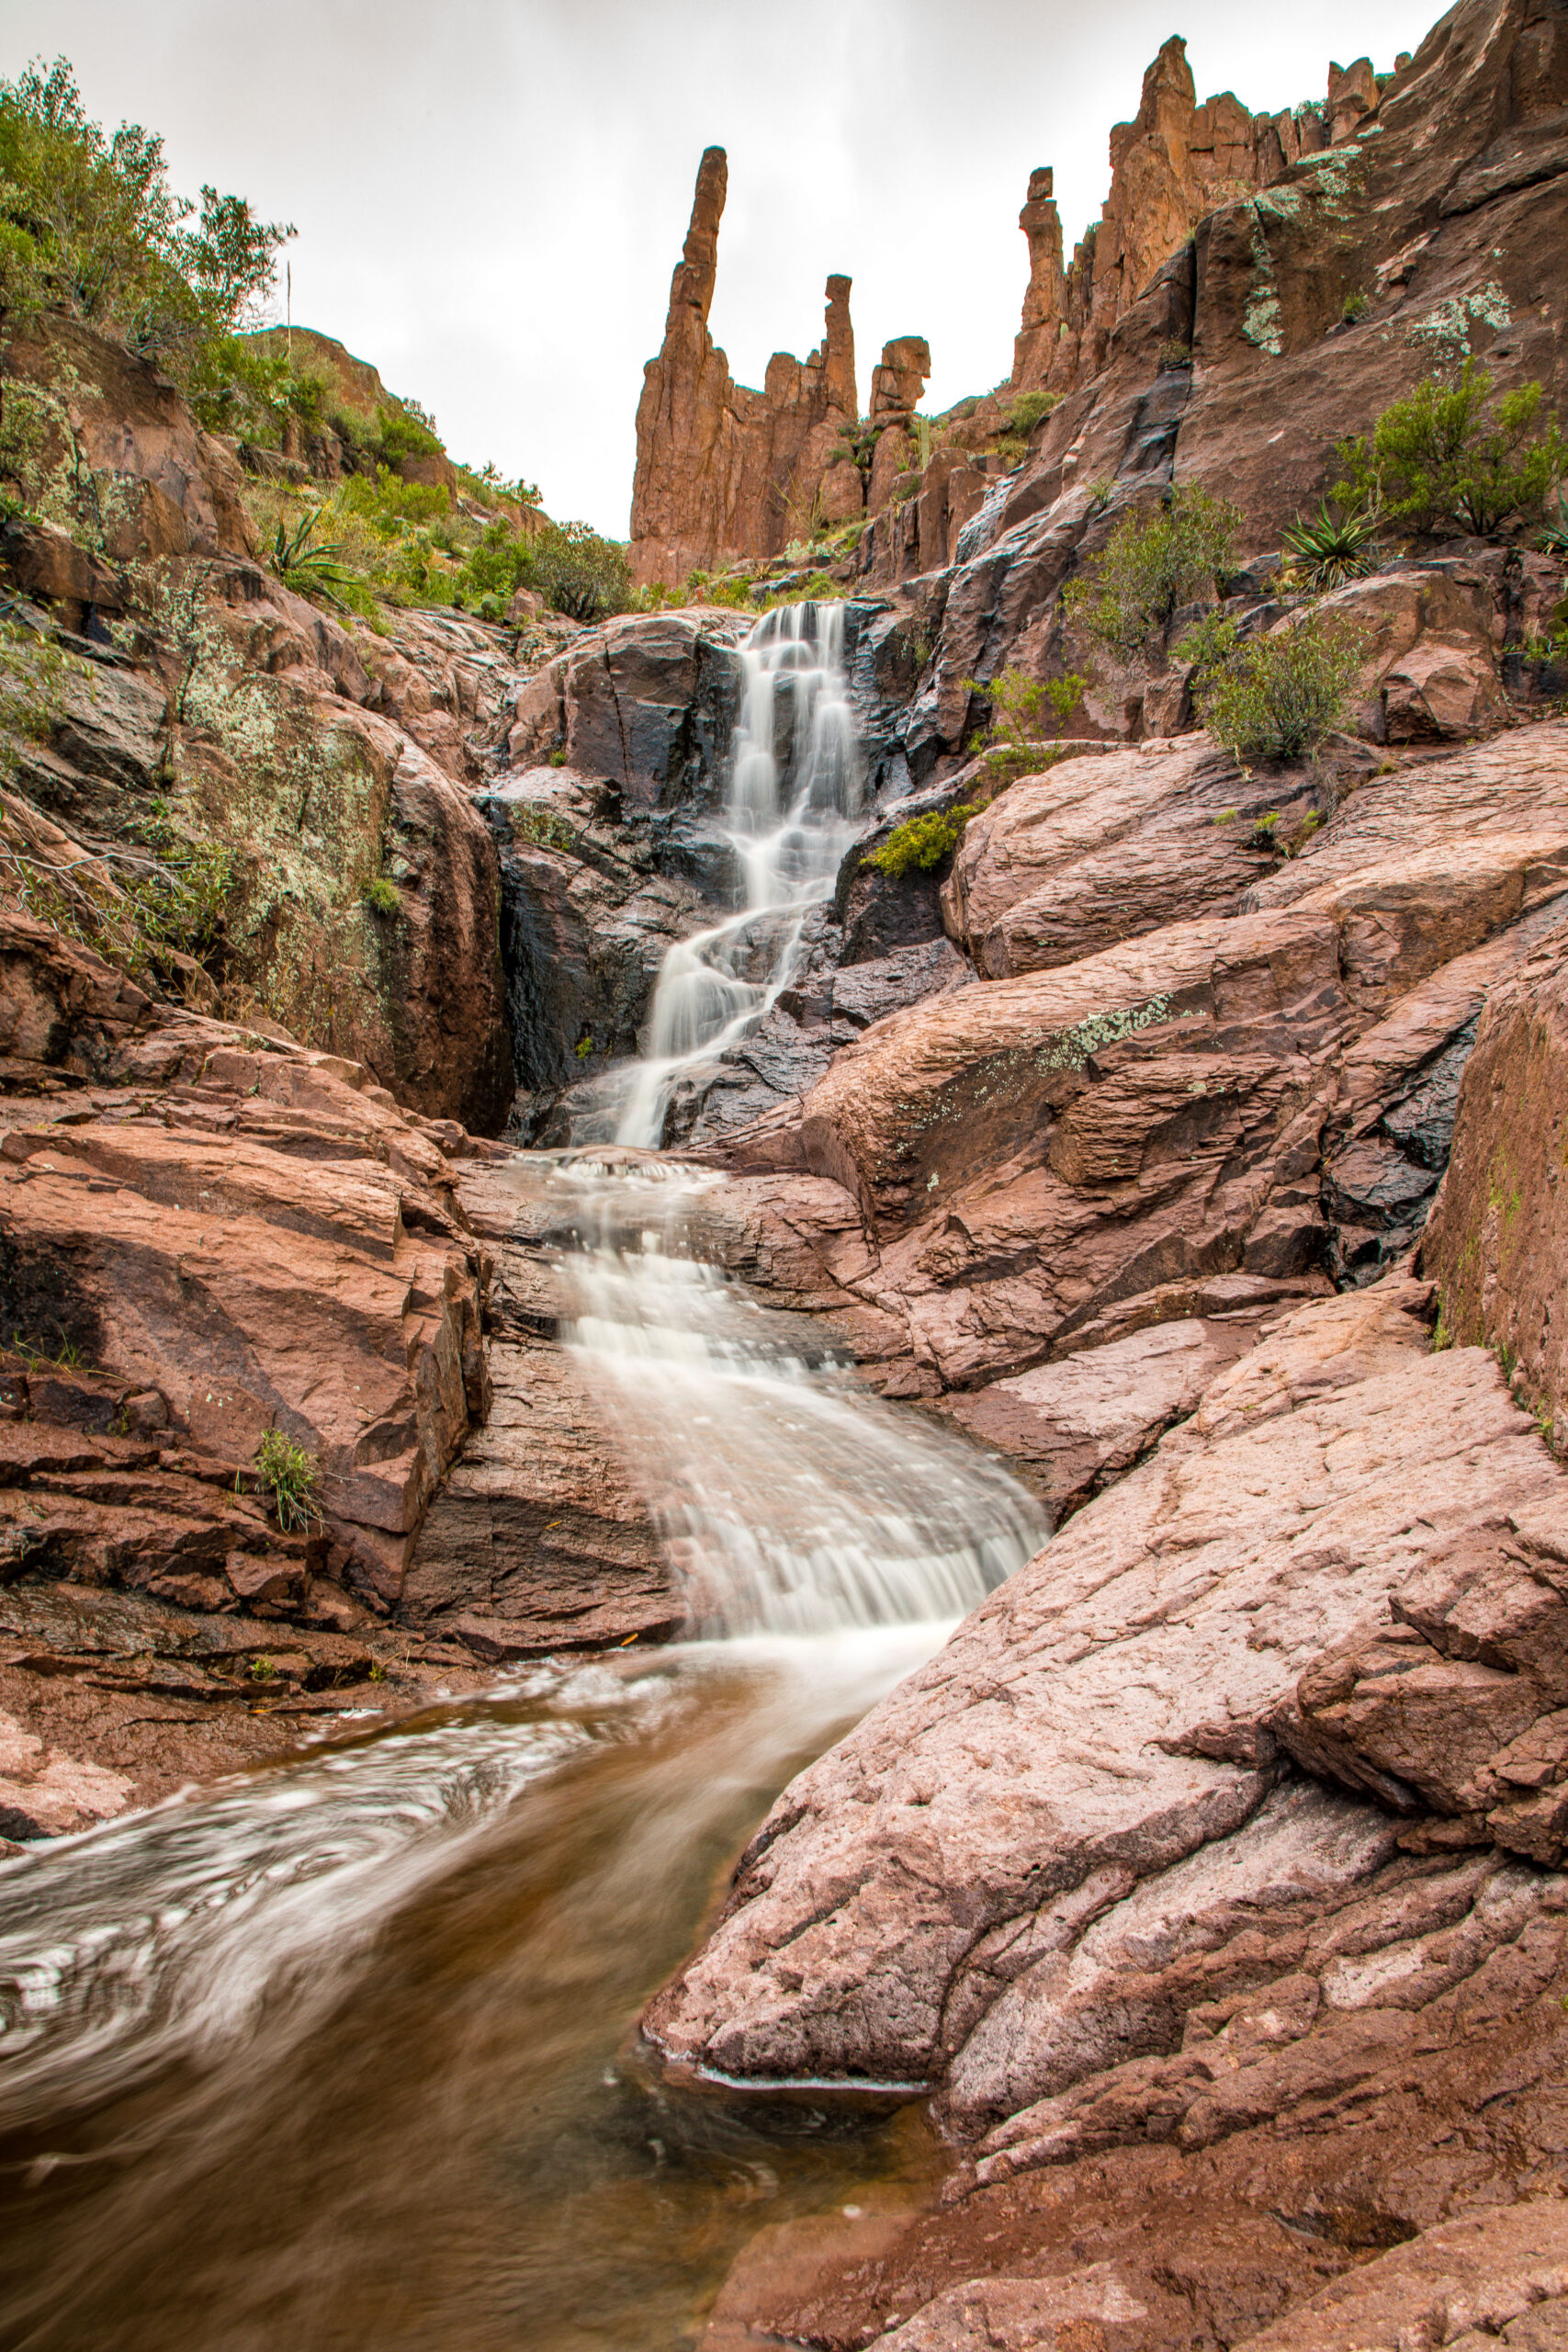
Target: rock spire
722, 472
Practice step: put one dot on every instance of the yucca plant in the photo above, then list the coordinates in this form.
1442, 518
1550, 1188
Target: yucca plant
308, 568
1324, 550
1554, 540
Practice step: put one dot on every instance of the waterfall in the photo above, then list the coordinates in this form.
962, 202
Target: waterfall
790, 814
789, 1499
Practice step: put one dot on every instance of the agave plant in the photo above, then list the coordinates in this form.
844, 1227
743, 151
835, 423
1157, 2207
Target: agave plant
1554, 540
309, 568
1325, 549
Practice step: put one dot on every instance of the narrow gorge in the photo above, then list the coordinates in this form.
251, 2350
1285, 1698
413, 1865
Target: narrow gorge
783, 1363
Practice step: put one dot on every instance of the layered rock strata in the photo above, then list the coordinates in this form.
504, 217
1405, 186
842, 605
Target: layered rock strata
207, 1235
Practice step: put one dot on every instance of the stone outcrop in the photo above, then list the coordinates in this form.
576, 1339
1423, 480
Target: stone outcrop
858, 1945
540, 1540
723, 471
1265, 1088
1497, 1243
81, 406
247, 1236
1211, 1878
1172, 164
206, 1234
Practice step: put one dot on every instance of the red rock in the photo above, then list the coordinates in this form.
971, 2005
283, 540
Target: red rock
723, 472
1497, 1244
1175, 1606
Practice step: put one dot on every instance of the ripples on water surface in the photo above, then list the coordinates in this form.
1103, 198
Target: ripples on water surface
340, 2054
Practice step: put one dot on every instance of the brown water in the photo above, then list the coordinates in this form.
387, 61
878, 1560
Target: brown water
343, 2055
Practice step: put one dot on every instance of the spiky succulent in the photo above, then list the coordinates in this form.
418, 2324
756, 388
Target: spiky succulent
1325, 549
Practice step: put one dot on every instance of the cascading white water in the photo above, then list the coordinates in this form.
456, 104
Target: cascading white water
790, 814
336, 2052
790, 1500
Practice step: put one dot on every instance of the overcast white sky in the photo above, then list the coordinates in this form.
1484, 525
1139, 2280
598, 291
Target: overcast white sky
491, 194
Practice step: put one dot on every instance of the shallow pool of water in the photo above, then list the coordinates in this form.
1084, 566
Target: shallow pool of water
343, 2052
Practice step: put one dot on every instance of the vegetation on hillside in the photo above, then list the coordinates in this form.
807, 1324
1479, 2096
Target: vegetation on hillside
91, 230
1275, 695
1153, 564
1453, 457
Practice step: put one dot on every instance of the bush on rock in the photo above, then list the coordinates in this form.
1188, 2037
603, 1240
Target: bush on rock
1449, 458
1152, 565
1273, 698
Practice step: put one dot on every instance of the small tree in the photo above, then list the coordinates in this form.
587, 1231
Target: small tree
578, 573
1152, 565
1449, 456
90, 226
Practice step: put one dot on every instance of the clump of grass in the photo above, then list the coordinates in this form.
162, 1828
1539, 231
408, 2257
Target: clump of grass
294, 1476
381, 896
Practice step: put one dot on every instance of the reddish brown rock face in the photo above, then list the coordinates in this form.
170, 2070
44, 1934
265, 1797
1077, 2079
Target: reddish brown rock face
724, 472
1497, 1244
1172, 1617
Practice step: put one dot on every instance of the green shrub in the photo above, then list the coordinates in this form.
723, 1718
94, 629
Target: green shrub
381, 896
1276, 696
1326, 549
732, 592
1029, 409
821, 589
532, 822
1449, 456
1354, 307
407, 432
1177, 353
578, 573
921, 842
90, 226
1152, 565
294, 1476
390, 505
1022, 736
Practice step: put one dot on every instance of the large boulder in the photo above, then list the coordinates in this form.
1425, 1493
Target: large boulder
1098, 849
908, 1914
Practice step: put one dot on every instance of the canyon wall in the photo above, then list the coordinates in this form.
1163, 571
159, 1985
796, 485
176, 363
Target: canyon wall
1175, 161
726, 475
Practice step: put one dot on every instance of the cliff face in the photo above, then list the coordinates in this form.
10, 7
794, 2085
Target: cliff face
1172, 164
724, 474
723, 471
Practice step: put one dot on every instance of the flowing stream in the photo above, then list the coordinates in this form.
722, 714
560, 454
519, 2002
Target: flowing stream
342, 2051
791, 813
